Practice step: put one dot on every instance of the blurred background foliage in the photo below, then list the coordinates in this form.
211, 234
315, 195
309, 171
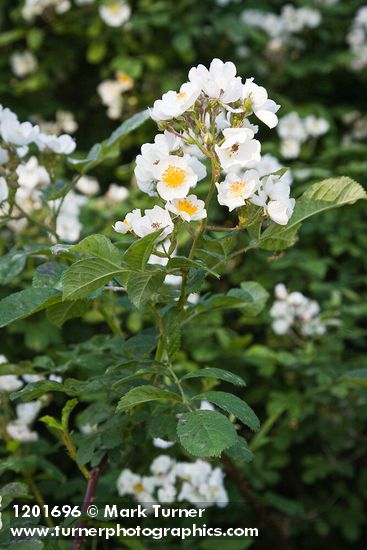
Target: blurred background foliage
309, 469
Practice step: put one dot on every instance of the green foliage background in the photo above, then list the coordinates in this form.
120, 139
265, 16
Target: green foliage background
309, 471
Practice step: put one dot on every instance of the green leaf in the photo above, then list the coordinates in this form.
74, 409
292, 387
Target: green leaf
66, 412
250, 298
25, 303
109, 147
327, 194
12, 491
56, 190
172, 331
48, 275
232, 405
59, 313
179, 261
144, 394
137, 255
357, 377
36, 389
240, 452
86, 276
218, 374
51, 422
98, 246
11, 265
141, 286
205, 433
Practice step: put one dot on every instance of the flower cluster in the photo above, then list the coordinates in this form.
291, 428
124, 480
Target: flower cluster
357, 39
294, 311
23, 63
110, 92
115, 13
293, 131
283, 28
34, 8
208, 119
170, 481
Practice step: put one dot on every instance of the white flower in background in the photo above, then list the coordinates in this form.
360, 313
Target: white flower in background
34, 8
84, 2
239, 149
116, 193
88, 185
290, 148
161, 465
21, 432
115, 13
262, 107
160, 443
66, 122
61, 145
167, 494
274, 197
291, 127
4, 156
174, 104
31, 174
219, 81
315, 126
295, 311
172, 280
175, 177
110, 92
141, 487
28, 412
68, 226
30, 378
236, 189
10, 382
55, 378
189, 209
18, 133
4, 192
23, 63
297, 19
89, 428
154, 219
20, 428
127, 225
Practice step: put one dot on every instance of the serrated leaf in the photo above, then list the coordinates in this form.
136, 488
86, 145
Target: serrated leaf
141, 286
144, 394
232, 405
85, 276
36, 389
48, 275
205, 433
11, 265
172, 331
240, 452
218, 374
25, 303
59, 313
327, 194
98, 246
138, 254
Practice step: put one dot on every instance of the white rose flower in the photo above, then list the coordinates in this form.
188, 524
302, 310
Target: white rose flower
162, 464
239, 149
236, 189
290, 148
291, 126
153, 219
189, 209
316, 126
175, 177
10, 382
31, 174
117, 193
21, 432
88, 185
18, 133
4, 192
174, 104
115, 13
167, 493
160, 443
127, 225
23, 63
219, 81
262, 107
60, 145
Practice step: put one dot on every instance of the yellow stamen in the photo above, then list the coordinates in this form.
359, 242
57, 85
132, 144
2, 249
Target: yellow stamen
181, 96
173, 176
115, 7
124, 78
138, 487
185, 205
237, 187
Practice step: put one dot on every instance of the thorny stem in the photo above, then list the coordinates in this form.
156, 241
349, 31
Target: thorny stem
89, 497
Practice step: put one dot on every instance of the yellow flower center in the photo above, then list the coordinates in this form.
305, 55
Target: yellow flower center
124, 78
115, 7
138, 487
237, 187
186, 206
173, 176
181, 96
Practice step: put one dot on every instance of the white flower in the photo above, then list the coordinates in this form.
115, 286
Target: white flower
30, 378
66, 122
117, 193
28, 412
88, 185
21, 432
167, 493
174, 104
239, 149
189, 209
110, 92
115, 13
219, 81
206, 406
153, 219
290, 148
127, 225
126, 482
4, 192
10, 382
60, 145
291, 127
18, 133
31, 174
162, 443
274, 197
236, 189
162, 464
151, 155
269, 164
89, 428
175, 178
68, 226
23, 63
262, 107
280, 291
316, 126
4, 156
172, 280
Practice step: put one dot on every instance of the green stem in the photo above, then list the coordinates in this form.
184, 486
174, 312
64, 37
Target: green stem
260, 436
